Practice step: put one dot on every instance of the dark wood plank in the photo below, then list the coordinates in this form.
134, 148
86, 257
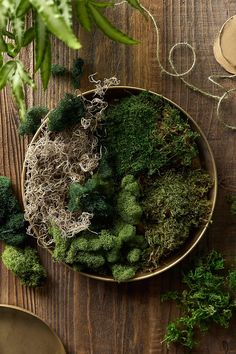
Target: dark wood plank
92, 317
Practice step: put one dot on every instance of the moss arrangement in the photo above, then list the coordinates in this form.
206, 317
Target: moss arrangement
21, 259
144, 196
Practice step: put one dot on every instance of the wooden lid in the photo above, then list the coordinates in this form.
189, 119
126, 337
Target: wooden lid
225, 46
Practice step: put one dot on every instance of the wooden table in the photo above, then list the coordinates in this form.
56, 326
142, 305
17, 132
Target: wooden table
93, 317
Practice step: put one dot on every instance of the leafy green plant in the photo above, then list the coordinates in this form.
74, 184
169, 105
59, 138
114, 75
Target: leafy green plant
50, 18
208, 298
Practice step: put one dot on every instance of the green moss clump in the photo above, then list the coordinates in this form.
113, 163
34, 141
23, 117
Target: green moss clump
32, 121
8, 202
13, 231
90, 259
175, 205
122, 272
25, 264
12, 224
145, 135
127, 233
76, 72
61, 244
69, 112
58, 70
127, 203
95, 197
134, 255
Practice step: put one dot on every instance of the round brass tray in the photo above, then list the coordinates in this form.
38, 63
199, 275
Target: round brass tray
207, 162
22, 332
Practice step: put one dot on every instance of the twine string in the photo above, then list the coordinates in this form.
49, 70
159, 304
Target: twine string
181, 75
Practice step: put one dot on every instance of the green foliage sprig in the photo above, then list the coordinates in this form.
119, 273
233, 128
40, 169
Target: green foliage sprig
50, 18
208, 298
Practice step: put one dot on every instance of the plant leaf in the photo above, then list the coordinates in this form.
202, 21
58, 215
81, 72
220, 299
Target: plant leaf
18, 91
23, 8
5, 72
53, 19
41, 38
7, 8
3, 45
29, 35
102, 4
83, 15
135, 4
45, 68
65, 8
18, 30
25, 77
105, 25
8, 34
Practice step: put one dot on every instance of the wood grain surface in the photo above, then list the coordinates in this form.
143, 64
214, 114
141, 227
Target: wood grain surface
93, 317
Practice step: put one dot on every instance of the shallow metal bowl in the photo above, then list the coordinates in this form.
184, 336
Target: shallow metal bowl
207, 162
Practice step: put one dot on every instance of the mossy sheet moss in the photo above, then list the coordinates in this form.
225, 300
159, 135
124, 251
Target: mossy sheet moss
146, 196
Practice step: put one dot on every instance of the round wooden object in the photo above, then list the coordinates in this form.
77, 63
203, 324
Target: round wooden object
22, 332
225, 46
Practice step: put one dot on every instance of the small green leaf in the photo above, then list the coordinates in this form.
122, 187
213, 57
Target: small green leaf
83, 15
18, 30
135, 4
8, 34
18, 91
6, 71
102, 4
108, 29
66, 11
3, 45
53, 19
7, 9
12, 51
41, 38
45, 68
23, 8
28, 36
25, 77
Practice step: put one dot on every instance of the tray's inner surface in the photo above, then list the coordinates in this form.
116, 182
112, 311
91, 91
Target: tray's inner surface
23, 333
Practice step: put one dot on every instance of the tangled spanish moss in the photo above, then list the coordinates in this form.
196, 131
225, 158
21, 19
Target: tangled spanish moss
52, 162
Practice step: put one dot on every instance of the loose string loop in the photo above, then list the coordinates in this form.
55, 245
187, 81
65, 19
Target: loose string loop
182, 75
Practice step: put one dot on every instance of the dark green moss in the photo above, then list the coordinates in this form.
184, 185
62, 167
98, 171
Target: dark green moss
145, 134
12, 224
25, 264
32, 121
58, 70
69, 112
8, 202
13, 231
77, 72
95, 197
